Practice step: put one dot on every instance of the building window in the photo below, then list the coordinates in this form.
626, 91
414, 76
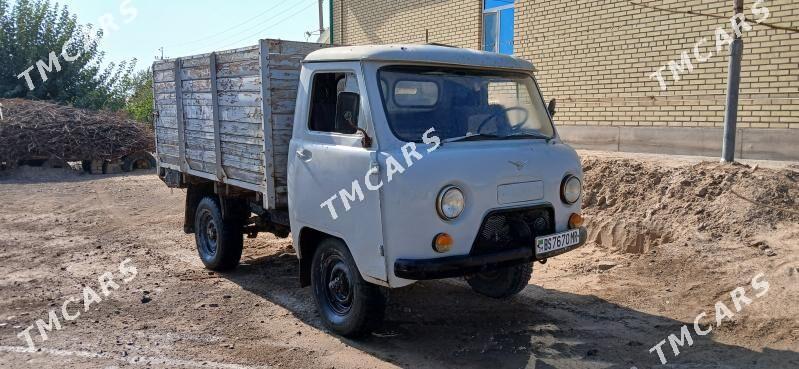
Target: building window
498, 26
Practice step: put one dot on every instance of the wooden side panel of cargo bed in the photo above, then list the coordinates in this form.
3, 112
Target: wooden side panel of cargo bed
228, 116
198, 110
283, 60
219, 97
238, 88
164, 104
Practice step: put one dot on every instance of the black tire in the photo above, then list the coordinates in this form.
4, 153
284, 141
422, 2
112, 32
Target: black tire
349, 305
138, 160
502, 283
219, 242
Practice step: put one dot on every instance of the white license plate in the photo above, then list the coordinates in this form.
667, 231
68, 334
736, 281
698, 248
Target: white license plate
554, 242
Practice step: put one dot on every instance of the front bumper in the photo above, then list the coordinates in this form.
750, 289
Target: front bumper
456, 266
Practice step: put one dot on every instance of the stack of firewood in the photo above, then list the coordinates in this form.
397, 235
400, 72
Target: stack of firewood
33, 130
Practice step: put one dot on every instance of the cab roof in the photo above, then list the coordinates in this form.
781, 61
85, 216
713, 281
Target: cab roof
420, 54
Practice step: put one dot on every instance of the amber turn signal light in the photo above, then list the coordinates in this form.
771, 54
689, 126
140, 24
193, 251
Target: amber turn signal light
442, 242
575, 221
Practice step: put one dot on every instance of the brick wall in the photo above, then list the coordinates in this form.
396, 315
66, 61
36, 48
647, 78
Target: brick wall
451, 22
595, 56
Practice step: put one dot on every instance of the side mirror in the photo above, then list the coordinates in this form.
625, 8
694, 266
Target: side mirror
551, 107
348, 105
366, 141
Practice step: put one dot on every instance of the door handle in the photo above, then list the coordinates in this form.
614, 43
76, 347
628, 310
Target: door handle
304, 154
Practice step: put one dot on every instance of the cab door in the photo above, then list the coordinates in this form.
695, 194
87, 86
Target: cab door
329, 165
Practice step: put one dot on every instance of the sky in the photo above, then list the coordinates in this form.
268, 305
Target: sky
138, 28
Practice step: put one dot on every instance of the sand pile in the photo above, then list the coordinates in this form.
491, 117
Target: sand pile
633, 205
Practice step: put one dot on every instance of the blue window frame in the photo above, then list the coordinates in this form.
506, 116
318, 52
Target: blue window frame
498, 26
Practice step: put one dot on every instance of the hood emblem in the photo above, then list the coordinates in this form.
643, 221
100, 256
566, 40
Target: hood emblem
518, 164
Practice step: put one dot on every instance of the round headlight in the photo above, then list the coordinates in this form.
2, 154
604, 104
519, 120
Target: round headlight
450, 203
570, 189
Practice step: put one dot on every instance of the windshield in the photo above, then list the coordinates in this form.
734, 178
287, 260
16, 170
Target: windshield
462, 104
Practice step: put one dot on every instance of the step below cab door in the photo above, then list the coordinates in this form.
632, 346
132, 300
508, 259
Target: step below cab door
332, 177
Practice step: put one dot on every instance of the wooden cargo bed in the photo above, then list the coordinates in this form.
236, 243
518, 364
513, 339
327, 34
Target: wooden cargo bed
218, 121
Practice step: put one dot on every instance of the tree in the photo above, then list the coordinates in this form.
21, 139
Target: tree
35, 36
140, 104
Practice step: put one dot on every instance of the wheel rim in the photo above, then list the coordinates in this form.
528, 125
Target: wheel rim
337, 284
209, 233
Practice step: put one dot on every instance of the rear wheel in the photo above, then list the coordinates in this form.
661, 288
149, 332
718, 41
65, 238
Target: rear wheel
349, 305
502, 283
219, 241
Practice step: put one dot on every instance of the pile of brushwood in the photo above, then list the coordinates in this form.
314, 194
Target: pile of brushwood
31, 130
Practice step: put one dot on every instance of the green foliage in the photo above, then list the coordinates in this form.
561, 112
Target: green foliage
30, 31
140, 103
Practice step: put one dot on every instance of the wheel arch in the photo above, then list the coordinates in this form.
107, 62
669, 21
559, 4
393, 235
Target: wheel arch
195, 192
233, 207
307, 243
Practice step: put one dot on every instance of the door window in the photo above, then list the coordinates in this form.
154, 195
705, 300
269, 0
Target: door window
326, 89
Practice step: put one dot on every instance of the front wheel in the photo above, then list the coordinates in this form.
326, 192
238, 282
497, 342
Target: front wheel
348, 305
502, 283
219, 241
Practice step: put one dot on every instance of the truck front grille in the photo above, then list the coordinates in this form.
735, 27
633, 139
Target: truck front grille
511, 228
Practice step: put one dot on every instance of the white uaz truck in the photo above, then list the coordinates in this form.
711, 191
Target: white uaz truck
387, 164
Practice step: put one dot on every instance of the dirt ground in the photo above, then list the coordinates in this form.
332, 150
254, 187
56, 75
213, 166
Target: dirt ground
671, 238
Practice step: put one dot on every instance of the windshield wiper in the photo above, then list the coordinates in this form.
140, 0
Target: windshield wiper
526, 135
488, 136
473, 137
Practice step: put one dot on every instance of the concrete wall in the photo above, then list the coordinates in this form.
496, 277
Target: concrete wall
751, 143
596, 58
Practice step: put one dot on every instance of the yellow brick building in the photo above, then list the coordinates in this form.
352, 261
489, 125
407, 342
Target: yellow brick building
597, 58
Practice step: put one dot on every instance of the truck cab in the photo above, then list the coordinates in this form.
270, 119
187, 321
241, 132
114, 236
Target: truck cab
422, 162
